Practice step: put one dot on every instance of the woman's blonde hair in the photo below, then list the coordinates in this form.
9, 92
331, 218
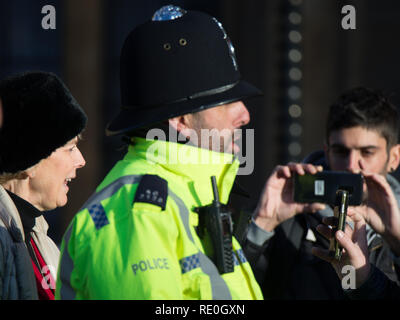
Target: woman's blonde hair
5, 177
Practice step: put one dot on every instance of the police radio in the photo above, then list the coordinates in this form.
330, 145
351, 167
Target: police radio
215, 219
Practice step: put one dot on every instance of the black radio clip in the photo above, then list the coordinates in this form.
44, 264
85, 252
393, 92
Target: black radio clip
216, 221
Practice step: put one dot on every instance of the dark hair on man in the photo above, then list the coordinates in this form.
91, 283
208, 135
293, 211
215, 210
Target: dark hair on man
366, 108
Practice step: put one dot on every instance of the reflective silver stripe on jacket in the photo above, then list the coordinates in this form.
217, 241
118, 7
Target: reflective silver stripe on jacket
219, 288
99, 219
192, 262
108, 191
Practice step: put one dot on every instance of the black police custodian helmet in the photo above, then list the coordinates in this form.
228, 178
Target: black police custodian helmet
179, 62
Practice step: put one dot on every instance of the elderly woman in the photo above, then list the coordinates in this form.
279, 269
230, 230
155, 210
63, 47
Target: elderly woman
38, 158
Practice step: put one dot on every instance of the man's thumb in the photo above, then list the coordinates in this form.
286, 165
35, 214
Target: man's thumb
346, 243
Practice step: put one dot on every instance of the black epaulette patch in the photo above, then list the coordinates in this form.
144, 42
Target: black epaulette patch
152, 189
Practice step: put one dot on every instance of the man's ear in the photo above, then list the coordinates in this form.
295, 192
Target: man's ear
394, 158
181, 124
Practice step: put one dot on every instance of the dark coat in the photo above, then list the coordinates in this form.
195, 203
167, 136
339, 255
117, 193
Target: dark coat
17, 280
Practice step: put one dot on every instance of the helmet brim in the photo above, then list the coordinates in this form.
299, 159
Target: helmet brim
134, 117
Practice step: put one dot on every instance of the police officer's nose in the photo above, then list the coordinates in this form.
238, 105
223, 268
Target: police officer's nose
243, 115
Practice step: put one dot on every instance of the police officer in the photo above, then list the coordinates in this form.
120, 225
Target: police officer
148, 231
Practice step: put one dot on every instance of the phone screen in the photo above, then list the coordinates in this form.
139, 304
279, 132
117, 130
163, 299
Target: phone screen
323, 186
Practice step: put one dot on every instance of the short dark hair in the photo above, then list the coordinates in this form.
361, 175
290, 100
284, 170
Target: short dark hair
367, 108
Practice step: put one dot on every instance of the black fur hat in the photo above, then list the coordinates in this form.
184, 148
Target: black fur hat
39, 116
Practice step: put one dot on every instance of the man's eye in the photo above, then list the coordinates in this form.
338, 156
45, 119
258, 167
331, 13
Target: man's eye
367, 153
340, 151
72, 148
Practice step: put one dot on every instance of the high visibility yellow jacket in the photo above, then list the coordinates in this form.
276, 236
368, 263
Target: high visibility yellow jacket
130, 244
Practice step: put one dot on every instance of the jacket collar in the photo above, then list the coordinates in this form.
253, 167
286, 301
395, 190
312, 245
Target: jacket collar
27, 212
9, 216
192, 164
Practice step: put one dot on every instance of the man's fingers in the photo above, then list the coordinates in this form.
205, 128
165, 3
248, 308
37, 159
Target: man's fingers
325, 231
375, 177
378, 181
303, 168
359, 221
299, 168
311, 168
283, 171
330, 221
355, 213
333, 222
314, 207
296, 167
322, 254
345, 241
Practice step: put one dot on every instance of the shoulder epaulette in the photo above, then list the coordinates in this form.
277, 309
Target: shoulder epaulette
152, 189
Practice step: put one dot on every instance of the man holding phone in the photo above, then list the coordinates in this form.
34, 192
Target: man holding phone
369, 282
361, 137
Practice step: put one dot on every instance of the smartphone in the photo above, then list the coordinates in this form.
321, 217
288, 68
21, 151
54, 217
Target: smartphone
323, 186
339, 211
336, 188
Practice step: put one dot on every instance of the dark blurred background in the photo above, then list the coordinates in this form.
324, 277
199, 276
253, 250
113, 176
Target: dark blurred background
294, 50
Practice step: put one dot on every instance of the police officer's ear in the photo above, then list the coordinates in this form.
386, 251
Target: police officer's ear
183, 125
394, 158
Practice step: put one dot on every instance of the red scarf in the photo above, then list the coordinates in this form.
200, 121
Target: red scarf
44, 280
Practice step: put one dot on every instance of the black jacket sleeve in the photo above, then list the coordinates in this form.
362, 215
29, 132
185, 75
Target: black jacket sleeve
377, 286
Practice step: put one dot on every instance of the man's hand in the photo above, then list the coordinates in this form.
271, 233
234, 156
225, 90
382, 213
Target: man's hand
355, 247
276, 203
381, 210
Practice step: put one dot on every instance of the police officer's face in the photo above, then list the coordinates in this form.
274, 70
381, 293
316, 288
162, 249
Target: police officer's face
50, 177
220, 122
358, 150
